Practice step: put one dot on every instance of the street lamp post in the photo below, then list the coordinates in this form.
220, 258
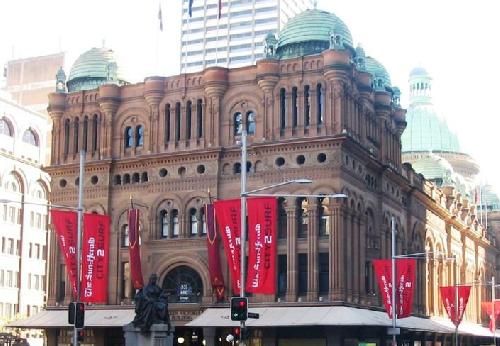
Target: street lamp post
255, 193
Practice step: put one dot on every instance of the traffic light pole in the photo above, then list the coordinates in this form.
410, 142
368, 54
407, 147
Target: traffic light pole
79, 240
243, 231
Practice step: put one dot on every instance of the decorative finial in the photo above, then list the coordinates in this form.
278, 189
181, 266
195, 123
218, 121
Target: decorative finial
315, 4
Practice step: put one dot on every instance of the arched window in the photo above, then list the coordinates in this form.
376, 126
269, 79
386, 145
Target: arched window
6, 128
164, 224
237, 168
282, 108
76, 131
323, 216
124, 236
135, 178
307, 106
85, 132
237, 124
117, 180
139, 136
282, 218
167, 123
250, 123
126, 178
294, 107
319, 104
193, 221
66, 137
302, 217
183, 285
189, 105
30, 137
199, 119
129, 137
94, 133
177, 121
175, 223
144, 177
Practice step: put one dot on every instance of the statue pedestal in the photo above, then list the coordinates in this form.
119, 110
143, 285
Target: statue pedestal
158, 336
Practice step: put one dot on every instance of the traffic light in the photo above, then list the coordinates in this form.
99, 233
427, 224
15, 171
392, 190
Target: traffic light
236, 333
239, 309
245, 333
71, 312
80, 315
80, 335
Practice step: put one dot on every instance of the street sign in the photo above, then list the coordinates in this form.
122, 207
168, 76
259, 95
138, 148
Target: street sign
393, 331
253, 315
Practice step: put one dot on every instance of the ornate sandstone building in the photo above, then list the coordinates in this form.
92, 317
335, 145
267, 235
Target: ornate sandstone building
316, 108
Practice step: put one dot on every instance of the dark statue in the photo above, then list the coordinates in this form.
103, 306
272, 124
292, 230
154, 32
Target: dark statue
151, 306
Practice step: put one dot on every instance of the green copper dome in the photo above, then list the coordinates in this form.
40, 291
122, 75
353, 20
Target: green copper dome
381, 78
309, 33
93, 68
426, 132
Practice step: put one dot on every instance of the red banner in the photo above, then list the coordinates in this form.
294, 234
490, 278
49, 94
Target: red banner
65, 225
449, 300
134, 249
214, 267
261, 275
405, 281
228, 215
488, 307
95, 259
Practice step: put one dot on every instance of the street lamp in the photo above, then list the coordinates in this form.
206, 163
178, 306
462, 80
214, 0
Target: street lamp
244, 194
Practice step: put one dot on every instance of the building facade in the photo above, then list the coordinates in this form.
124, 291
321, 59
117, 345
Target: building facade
30, 80
236, 38
314, 108
24, 190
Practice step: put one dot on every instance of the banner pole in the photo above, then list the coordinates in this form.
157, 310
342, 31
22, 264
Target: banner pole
393, 280
243, 223
457, 316
79, 238
493, 298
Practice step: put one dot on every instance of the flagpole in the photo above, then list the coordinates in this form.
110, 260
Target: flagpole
455, 268
493, 298
79, 239
243, 229
393, 279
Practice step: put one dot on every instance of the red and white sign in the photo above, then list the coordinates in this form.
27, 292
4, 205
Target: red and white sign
405, 282
134, 249
214, 267
493, 313
449, 301
65, 225
228, 216
95, 258
261, 276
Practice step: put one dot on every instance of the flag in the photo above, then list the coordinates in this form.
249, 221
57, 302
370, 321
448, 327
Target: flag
134, 248
261, 276
220, 8
448, 296
493, 313
66, 224
405, 281
160, 18
214, 267
95, 259
228, 216
190, 8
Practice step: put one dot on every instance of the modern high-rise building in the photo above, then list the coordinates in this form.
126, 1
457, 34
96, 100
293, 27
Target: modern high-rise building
236, 38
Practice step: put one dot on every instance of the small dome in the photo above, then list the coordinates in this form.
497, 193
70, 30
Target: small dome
432, 168
95, 67
309, 33
418, 71
381, 78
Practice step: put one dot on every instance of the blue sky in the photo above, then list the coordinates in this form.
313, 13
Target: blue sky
456, 41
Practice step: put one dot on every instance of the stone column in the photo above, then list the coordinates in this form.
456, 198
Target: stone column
153, 93
291, 254
337, 250
312, 253
109, 100
348, 254
56, 108
216, 84
52, 268
267, 85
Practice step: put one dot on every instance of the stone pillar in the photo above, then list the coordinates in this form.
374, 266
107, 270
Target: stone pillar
52, 282
266, 131
215, 82
108, 99
291, 254
158, 336
312, 253
337, 248
56, 108
348, 254
153, 93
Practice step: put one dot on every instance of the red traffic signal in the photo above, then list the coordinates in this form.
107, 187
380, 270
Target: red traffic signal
239, 309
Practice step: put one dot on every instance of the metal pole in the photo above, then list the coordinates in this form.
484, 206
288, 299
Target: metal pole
493, 298
456, 298
243, 223
79, 237
393, 283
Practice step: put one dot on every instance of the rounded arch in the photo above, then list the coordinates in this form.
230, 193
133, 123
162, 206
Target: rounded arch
19, 177
157, 203
7, 126
170, 261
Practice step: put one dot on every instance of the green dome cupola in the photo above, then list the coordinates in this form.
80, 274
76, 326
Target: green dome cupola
381, 78
93, 68
310, 33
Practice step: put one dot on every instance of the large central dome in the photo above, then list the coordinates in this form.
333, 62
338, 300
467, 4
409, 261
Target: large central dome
309, 33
